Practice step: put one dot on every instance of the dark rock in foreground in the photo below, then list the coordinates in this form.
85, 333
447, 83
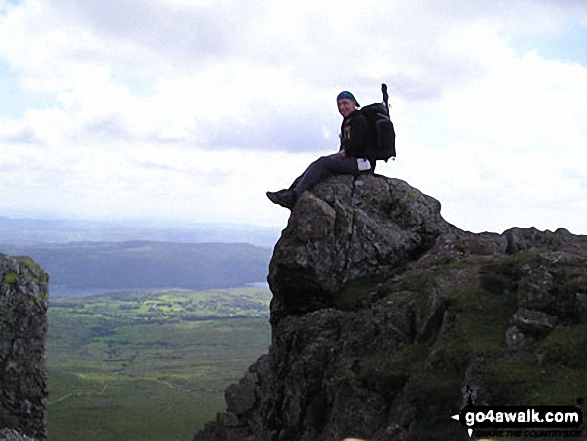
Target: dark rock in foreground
23, 325
386, 319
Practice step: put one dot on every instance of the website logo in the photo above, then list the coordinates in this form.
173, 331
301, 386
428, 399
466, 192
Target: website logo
521, 421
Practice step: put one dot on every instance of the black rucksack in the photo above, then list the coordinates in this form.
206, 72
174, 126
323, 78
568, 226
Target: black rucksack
377, 115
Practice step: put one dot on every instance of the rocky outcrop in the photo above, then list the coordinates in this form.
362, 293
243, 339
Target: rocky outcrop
23, 325
386, 320
347, 231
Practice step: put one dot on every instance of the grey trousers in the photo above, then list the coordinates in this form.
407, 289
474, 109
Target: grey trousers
323, 167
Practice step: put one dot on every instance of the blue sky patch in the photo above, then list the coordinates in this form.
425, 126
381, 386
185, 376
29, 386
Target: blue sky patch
567, 46
18, 99
5, 3
137, 86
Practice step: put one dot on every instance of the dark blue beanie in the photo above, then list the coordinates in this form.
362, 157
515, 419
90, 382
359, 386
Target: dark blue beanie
348, 96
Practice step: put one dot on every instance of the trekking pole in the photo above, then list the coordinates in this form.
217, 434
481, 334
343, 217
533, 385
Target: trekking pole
386, 102
385, 97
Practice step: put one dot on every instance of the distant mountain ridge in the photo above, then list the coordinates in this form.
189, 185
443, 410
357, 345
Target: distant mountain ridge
148, 264
35, 231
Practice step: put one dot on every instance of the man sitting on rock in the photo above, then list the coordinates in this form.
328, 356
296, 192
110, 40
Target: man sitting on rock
351, 159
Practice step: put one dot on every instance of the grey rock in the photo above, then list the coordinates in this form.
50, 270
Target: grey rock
534, 322
23, 325
517, 341
14, 435
535, 288
476, 387
227, 419
345, 230
241, 397
523, 239
385, 318
581, 302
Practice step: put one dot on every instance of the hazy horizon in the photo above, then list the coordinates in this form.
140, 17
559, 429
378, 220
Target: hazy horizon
30, 230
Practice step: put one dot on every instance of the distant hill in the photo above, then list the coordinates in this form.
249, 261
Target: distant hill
147, 264
34, 231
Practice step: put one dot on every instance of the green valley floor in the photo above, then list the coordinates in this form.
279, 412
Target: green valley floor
148, 366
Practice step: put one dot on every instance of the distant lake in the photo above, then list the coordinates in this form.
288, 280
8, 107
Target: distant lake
86, 292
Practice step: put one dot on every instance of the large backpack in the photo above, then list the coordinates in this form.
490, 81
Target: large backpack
377, 115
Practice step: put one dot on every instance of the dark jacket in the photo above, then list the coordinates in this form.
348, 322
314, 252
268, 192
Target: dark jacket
355, 136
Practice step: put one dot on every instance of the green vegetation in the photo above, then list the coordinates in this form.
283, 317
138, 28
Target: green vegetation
388, 373
140, 306
473, 330
10, 278
559, 377
149, 366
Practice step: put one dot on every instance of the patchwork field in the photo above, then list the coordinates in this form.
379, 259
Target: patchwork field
149, 365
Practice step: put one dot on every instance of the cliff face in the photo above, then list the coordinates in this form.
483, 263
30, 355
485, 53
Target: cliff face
386, 319
23, 325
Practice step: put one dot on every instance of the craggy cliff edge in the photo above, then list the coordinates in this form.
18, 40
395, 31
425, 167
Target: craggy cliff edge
23, 325
386, 319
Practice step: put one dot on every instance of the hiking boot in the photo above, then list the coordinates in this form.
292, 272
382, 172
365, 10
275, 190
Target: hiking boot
285, 198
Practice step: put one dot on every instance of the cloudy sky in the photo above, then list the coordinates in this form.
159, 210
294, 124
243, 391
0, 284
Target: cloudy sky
187, 111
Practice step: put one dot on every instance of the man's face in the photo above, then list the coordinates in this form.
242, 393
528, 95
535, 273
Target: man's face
346, 107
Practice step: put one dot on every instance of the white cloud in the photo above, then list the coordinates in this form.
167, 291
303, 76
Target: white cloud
192, 110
